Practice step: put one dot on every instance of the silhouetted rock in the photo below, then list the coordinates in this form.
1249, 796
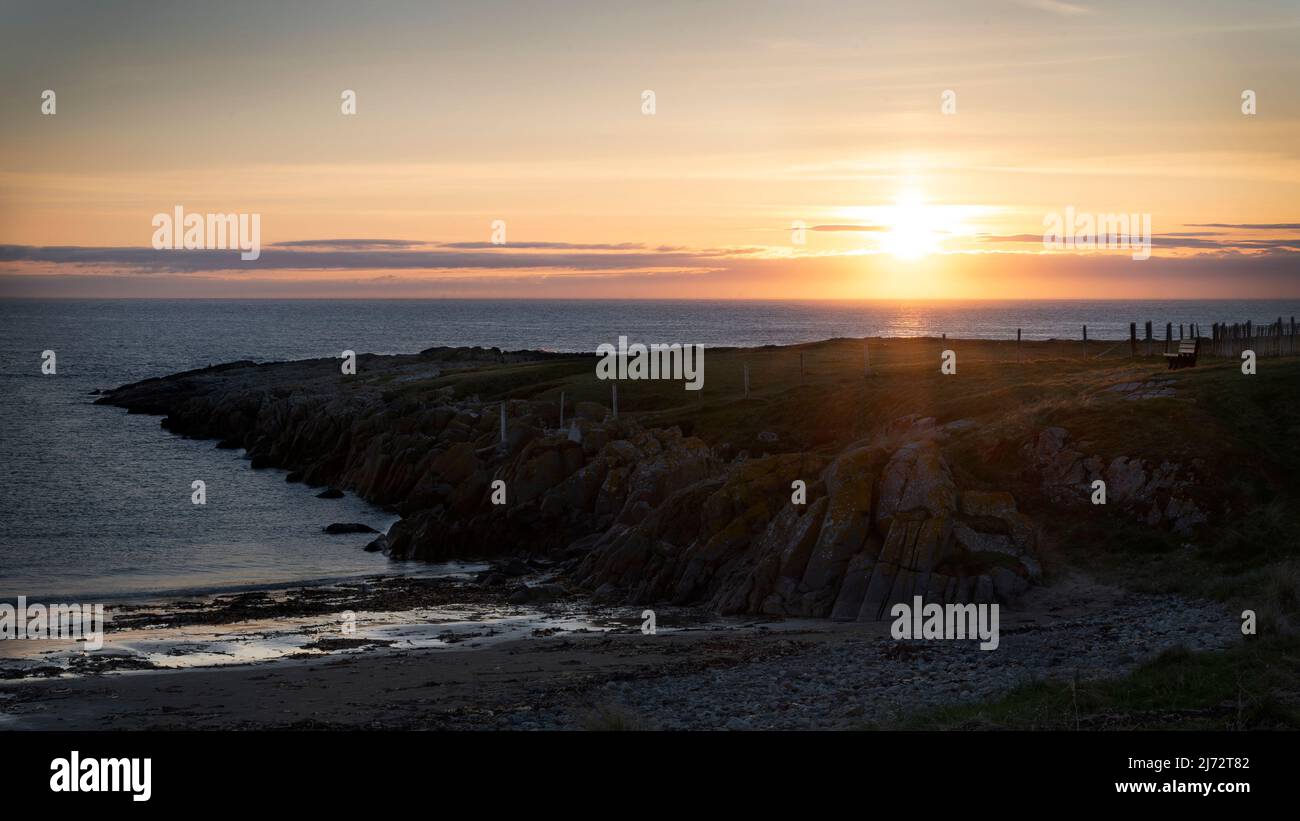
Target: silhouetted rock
349, 527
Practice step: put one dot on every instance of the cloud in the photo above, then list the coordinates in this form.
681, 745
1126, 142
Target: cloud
357, 244
996, 275
395, 268
849, 228
1056, 7
1249, 226
368, 255
371, 244
570, 246
1184, 240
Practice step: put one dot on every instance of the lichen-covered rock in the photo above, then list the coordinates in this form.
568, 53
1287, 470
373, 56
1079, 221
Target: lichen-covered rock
849, 481
697, 544
670, 463
916, 478
1160, 495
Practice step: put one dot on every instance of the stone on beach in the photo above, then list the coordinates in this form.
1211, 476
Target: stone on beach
349, 527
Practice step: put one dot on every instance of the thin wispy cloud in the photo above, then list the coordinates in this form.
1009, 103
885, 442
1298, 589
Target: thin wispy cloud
355, 244
1181, 241
1056, 7
367, 259
1250, 226
850, 228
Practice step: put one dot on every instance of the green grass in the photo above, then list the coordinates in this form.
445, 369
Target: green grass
1249, 687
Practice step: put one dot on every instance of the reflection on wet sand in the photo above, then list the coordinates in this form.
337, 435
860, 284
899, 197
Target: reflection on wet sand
411, 613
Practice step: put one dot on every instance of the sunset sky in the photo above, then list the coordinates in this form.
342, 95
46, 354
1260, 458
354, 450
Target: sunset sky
767, 114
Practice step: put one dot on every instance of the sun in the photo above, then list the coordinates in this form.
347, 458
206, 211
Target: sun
914, 230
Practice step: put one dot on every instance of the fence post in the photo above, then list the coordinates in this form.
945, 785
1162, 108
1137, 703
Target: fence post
1169, 335
1018, 359
1085, 341
1133, 340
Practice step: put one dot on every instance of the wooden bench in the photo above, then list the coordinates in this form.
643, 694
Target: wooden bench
1186, 356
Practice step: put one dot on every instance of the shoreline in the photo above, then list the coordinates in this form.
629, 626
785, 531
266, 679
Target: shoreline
265, 625
163, 596
695, 674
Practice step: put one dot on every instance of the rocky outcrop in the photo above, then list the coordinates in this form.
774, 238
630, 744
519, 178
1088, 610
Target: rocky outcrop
878, 527
635, 515
1159, 494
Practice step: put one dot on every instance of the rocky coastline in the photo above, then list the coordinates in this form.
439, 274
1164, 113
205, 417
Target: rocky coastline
770, 523
634, 514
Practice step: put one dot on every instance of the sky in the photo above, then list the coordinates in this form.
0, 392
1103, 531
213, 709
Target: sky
811, 150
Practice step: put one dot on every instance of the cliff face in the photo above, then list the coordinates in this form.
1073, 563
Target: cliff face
637, 515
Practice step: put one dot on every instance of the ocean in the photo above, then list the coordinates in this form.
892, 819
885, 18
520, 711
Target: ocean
96, 503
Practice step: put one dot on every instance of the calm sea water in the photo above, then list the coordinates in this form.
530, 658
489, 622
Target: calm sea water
95, 502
